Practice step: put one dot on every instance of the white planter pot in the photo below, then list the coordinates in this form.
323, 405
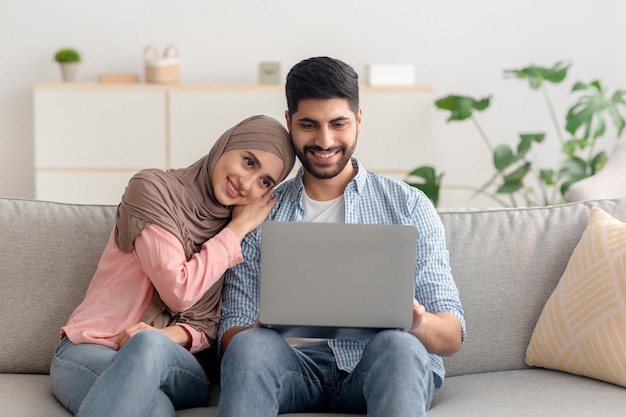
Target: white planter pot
68, 71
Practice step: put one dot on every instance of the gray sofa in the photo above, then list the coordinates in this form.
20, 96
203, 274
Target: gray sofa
506, 263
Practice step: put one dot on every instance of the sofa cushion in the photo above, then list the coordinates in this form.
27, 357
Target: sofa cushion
506, 263
48, 253
528, 392
582, 328
28, 396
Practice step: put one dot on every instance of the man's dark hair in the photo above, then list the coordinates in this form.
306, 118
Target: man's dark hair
322, 78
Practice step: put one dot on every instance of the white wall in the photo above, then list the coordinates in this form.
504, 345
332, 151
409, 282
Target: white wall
458, 46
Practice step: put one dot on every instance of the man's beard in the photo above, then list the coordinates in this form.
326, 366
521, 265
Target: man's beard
327, 171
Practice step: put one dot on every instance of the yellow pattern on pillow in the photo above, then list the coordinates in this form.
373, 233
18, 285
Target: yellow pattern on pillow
582, 328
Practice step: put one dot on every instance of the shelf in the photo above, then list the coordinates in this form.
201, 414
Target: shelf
94, 86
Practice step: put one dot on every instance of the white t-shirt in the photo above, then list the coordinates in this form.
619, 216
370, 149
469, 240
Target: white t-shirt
331, 211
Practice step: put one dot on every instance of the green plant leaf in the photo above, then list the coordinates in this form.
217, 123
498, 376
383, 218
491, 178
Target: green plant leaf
533, 137
571, 146
503, 157
482, 104
618, 97
526, 141
430, 185
600, 127
597, 162
573, 168
577, 117
588, 113
509, 187
518, 174
616, 117
565, 186
426, 172
557, 73
537, 75
67, 55
462, 107
547, 176
514, 181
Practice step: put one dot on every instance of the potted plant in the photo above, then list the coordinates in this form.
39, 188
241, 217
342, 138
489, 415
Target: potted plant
517, 179
68, 59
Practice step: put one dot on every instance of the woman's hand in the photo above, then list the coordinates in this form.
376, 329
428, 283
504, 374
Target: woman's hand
177, 334
250, 216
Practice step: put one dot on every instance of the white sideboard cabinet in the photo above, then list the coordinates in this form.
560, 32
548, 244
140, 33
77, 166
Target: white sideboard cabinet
90, 138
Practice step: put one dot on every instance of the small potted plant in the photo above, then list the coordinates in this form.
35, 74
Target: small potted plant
68, 59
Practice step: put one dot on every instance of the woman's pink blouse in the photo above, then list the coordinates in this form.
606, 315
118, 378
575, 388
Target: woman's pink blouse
122, 287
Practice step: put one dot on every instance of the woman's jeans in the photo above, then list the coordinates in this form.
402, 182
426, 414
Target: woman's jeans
150, 376
264, 376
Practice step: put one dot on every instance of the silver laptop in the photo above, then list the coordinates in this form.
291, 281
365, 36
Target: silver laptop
336, 280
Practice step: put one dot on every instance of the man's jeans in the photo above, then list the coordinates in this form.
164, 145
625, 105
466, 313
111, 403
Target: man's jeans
150, 376
263, 376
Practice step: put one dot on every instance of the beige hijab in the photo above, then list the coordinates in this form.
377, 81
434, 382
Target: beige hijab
182, 201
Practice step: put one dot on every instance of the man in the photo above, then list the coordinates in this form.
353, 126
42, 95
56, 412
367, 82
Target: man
392, 374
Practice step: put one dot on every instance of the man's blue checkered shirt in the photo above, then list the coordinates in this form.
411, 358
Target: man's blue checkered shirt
369, 198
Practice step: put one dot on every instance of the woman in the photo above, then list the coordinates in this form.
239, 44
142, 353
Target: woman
128, 348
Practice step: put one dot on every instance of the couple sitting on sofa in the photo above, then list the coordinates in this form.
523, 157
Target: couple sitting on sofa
183, 257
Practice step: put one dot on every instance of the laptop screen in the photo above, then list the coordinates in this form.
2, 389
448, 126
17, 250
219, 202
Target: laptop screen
336, 280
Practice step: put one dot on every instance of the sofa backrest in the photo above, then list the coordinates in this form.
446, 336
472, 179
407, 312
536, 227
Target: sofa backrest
48, 254
506, 263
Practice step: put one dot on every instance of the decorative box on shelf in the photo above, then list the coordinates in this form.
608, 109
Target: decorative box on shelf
162, 69
390, 74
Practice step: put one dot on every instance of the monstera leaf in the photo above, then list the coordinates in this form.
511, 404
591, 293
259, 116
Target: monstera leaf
427, 180
589, 111
461, 107
537, 75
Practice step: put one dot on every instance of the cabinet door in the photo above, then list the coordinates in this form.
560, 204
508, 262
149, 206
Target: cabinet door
99, 129
89, 187
89, 142
198, 118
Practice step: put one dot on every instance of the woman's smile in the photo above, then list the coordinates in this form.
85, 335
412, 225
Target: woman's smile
231, 189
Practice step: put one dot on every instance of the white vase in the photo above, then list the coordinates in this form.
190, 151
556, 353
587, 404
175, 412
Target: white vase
68, 71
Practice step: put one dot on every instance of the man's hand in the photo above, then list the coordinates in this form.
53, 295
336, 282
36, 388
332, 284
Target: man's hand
419, 315
230, 333
177, 334
439, 332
